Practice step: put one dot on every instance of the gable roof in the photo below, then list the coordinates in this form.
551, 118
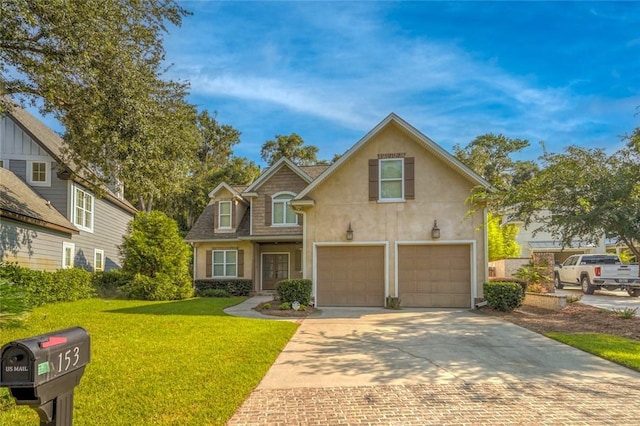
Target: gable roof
422, 139
20, 202
203, 229
270, 171
236, 191
53, 145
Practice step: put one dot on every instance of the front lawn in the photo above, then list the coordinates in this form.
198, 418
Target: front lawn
158, 363
614, 348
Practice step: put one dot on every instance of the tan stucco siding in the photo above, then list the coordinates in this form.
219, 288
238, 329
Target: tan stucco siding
440, 192
282, 180
201, 259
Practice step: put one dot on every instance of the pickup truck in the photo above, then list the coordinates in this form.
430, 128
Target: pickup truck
597, 271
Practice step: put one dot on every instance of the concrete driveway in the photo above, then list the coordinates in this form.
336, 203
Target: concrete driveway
353, 366
604, 299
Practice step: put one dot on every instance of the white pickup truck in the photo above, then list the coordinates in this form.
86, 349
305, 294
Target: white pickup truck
596, 271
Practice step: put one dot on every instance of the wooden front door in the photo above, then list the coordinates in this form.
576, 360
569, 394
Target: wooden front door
275, 267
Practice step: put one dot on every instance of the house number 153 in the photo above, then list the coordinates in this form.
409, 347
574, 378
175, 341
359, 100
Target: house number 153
68, 359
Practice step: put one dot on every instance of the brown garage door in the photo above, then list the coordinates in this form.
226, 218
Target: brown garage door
350, 276
434, 276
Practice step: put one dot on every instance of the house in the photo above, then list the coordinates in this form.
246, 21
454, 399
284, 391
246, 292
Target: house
49, 216
388, 219
544, 242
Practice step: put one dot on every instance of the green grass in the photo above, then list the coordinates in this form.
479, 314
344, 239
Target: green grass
158, 363
614, 348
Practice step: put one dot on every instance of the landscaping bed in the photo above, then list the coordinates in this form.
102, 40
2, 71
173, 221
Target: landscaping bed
574, 318
273, 308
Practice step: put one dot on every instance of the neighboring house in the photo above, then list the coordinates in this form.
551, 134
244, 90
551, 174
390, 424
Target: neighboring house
544, 242
50, 217
362, 229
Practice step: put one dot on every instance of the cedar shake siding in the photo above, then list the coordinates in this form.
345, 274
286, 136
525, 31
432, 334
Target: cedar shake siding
284, 180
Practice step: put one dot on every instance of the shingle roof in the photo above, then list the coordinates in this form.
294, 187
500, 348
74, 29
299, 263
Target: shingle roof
203, 228
315, 170
18, 201
53, 144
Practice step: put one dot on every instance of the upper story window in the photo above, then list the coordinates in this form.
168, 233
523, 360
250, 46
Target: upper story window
83, 209
283, 214
224, 214
38, 173
391, 179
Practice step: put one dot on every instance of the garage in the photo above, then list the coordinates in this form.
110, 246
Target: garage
350, 275
434, 276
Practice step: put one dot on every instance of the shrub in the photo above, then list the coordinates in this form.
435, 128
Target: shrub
109, 284
573, 298
284, 306
295, 291
153, 248
534, 276
393, 302
160, 287
266, 306
73, 284
626, 313
522, 283
504, 296
213, 292
13, 306
234, 286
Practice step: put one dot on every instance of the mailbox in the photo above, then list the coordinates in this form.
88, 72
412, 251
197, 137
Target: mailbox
42, 371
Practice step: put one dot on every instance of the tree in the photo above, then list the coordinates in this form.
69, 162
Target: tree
98, 69
581, 194
489, 156
155, 255
290, 147
501, 239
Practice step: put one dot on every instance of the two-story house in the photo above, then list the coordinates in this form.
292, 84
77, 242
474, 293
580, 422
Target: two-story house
388, 219
49, 216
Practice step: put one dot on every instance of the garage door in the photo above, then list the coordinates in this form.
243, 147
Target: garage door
434, 276
350, 276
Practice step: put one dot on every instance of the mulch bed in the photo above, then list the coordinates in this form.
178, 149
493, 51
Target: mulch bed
574, 318
277, 312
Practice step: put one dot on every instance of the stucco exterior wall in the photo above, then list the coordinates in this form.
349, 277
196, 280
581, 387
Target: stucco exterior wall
440, 192
201, 259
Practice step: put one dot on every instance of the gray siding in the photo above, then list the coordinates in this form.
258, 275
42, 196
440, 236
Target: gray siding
31, 246
110, 224
19, 167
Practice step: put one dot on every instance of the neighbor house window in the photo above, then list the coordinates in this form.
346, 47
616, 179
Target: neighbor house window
283, 214
391, 179
224, 214
98, 260
68, 252
83, 210
225, 263
38, 173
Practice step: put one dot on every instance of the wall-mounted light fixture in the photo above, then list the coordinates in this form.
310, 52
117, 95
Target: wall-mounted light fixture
435, 231
349, 233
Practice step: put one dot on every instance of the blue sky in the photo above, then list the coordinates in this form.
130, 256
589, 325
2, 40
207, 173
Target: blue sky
559, 72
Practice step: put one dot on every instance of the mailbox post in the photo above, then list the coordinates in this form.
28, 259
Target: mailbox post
43, 371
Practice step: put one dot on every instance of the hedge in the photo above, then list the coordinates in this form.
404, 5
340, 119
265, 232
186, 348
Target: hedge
234, 286
504, 296
295, 291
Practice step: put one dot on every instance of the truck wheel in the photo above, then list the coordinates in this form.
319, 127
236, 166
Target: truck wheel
587, 288
558, 283
634, 292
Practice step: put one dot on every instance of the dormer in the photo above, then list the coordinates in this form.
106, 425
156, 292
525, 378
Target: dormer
228, 208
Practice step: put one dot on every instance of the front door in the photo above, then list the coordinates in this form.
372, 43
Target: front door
275, 267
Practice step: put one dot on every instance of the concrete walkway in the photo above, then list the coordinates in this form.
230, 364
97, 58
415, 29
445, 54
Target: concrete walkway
434, 366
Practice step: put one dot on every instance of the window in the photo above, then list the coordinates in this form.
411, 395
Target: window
98, 260
391, 179
38, 173
83, 210
68, 252
1, 163
225, 263
283, 214
224, 214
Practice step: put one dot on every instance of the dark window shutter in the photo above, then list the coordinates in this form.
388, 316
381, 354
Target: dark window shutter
209, 263
267, 210
234, 214
297, 259
240, 263
373, 180
409, 179
215, 215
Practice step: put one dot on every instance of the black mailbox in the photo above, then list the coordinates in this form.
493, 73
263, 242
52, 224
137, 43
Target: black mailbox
42, 371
